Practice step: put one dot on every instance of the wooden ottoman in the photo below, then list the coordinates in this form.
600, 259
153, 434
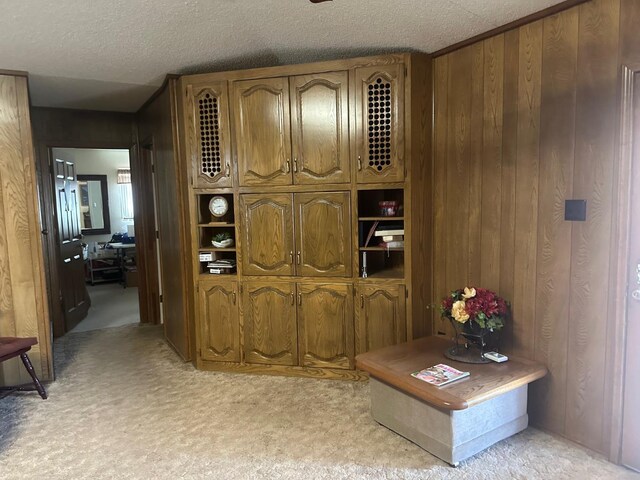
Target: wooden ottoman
455, 421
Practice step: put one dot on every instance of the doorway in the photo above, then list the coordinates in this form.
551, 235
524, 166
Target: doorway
95, 216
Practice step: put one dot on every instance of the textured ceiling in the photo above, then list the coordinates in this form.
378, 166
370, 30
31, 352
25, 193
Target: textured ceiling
111, 55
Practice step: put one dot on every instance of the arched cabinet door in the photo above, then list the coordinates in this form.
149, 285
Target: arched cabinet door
267, 234
270, 327
380, 316
219, 322
380, 124
320, 128
323, 234
325, 325
208, 135
262, 131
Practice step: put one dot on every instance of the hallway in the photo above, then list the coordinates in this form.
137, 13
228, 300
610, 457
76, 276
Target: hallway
111, 306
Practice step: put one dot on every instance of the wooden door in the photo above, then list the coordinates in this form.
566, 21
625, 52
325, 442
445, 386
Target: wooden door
269, 318
73, 290
262, 131
380, 123
219, 321
380, 316
267, 234
325, 325
323, 234
208, 143
320, 128
630, 452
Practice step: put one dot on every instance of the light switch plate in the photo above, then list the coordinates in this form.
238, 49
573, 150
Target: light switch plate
575, 210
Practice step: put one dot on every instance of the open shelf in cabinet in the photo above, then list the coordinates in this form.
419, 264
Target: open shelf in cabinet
375, 257
206, 218
210, 227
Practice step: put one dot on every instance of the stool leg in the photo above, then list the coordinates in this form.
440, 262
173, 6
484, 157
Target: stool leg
32, 372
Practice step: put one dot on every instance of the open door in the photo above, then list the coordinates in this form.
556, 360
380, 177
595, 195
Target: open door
73, 290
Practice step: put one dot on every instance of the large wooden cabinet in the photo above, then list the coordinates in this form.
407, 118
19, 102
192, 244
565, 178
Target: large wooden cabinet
306, 156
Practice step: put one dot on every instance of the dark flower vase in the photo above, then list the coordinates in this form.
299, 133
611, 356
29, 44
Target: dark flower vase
472, 342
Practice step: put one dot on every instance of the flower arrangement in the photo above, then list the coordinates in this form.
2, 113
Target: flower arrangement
476, 305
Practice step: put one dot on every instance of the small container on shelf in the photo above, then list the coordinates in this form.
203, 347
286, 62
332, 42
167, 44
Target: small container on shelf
388, 208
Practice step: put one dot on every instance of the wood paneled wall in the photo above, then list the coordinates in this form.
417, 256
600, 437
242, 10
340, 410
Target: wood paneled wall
523, 121
157, 128
23, 309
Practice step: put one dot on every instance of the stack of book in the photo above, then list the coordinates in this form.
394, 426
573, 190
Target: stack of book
391, 236
222, 266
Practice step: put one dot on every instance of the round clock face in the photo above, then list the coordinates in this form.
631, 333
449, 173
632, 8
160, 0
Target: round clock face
218, 206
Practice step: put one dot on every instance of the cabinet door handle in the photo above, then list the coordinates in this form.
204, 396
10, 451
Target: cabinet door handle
233, 296
359, 162
295, 164
291, 257
298, 258
228, 170
299, 299
293, 301
287, 166
361, 301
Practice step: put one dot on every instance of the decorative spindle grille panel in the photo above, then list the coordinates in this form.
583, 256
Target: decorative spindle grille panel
380, 134
209, 116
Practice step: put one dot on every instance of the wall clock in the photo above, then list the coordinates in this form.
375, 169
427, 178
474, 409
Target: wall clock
218, 206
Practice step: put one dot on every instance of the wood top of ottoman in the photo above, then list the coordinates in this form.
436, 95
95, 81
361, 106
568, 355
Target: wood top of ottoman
394, 365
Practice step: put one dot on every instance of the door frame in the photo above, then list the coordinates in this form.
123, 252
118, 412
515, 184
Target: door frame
49, 219
145, 221
619, 260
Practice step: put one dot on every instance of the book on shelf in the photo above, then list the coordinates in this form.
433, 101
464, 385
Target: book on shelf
394, 244
389, 230
439, 375
392, 238
222, 263
221, 271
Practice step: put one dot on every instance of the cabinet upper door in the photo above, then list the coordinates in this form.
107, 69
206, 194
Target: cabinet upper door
380, 316
219, 322
320, 128
323, 234
262, 131
266, 234
270, 327
380, 123
208, 140
325, 325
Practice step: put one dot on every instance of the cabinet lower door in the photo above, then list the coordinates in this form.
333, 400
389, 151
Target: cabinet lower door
219, 322
262, 131
325, 322
270, 327
267, 234
380, 316
323, 234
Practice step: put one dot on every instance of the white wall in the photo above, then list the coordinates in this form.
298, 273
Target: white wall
101, 162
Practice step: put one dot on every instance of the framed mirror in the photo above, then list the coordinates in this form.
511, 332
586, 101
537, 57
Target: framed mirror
93, 205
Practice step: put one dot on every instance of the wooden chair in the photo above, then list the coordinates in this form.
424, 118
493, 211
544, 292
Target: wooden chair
12, 347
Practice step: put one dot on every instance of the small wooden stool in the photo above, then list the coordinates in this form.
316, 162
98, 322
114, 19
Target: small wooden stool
12, 347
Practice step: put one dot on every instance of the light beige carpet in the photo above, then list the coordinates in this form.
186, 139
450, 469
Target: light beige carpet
125, 407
